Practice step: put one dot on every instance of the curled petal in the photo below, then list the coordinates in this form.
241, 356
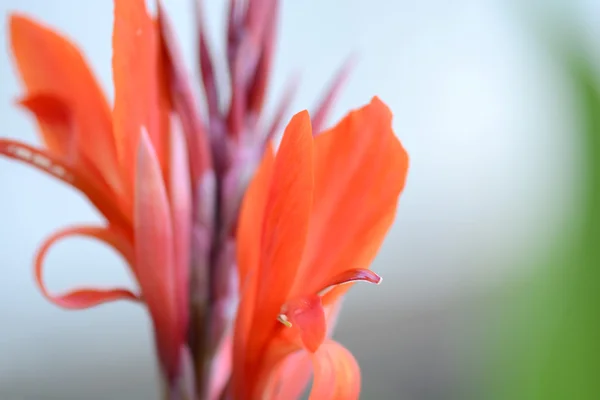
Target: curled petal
336, 373
351, 276
85, 298
334, 291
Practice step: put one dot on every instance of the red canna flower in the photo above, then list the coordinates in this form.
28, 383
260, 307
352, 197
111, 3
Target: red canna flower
312, 221
127, 162
170, 185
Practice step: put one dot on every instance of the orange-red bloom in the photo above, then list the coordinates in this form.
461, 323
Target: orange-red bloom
120, 159
312, 220
170, 184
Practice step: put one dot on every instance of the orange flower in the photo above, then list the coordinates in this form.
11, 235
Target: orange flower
127, 162
312, 220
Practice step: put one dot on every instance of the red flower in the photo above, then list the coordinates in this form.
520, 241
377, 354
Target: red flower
127, 162
312, 220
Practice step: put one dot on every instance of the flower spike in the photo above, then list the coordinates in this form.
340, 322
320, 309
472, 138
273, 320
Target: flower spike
241, 250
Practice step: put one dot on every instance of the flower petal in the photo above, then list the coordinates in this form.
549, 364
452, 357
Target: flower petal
291, 377
85, 298
57, 168
336, 374
360, 171
49, 63
339, 284
181, 210
306, 316
284, 229
286, 215
154, 254
248, 255
323, 109
183, 99
53, 115
135, 76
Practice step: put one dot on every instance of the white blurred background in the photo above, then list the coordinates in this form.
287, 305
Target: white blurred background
479, 106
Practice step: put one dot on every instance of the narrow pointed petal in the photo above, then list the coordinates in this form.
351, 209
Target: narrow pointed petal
181, 209
260, 81
166, 108
50, 64
324, 108
280, 111
154, 255
234, 19
184, 100
248, 257
85, 298
207, 70
135, 77
360, 165
306, 316
284, 229
336, 374
54, 166
251, 217
287, 212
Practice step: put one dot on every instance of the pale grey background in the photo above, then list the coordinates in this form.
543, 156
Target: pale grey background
475, 104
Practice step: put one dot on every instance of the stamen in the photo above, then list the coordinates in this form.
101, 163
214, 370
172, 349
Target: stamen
284, 320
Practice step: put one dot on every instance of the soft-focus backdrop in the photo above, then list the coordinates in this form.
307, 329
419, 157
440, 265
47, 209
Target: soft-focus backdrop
479, 103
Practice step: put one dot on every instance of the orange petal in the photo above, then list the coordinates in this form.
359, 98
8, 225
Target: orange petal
248, 255
135, 77
181, 209
285, 225
56, 167
306, 316
85, 298
336, 374
49, 63
360, 171
340, 283
291, 377
286, 215
55, 114
154, 255
165, 107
